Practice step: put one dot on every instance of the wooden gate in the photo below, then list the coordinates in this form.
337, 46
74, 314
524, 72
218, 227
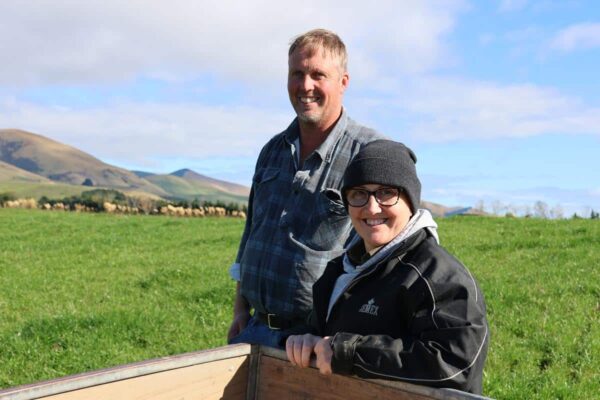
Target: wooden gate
236, 372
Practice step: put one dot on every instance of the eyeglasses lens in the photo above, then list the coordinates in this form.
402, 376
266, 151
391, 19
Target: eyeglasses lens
383, 196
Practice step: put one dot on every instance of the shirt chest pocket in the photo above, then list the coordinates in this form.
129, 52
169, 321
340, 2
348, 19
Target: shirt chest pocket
265, 192
328, 226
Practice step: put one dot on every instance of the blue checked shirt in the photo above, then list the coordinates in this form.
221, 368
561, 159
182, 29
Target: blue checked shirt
296, 218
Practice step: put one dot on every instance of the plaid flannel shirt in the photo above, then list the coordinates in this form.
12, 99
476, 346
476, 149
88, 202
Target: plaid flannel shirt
296, 218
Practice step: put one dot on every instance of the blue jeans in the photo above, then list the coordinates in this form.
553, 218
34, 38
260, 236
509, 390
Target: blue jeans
257, 332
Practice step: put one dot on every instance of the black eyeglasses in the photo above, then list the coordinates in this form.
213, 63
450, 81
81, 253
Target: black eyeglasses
385, 196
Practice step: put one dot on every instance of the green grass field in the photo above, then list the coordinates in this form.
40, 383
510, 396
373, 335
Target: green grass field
85, 291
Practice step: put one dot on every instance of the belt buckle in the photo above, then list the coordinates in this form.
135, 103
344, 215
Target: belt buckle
275, 328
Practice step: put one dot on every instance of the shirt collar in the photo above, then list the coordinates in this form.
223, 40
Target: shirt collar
325, 150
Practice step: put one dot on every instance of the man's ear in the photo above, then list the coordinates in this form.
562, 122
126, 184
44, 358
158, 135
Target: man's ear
345, 81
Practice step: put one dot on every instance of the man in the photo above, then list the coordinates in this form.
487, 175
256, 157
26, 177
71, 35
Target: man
296, 218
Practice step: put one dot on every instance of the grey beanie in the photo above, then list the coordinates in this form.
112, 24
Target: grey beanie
388, 163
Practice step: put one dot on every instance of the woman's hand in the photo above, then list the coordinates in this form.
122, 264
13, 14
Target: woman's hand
324, 353
299, 348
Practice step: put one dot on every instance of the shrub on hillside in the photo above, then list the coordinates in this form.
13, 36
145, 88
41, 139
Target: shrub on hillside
7, 196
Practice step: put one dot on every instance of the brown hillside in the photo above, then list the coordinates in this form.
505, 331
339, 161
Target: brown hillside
216, 184
437, 210
10, 173
62, 163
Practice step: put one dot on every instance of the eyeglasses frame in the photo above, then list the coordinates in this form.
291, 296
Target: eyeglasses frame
373, 193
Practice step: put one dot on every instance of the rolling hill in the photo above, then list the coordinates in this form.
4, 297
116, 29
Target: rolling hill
32, 163
187, 186
62, 163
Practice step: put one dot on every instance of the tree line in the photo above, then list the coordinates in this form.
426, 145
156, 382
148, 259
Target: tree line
540, 209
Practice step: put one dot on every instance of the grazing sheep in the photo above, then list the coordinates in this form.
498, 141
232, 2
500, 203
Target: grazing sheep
21, 203
29, 203
238, 214
109, 207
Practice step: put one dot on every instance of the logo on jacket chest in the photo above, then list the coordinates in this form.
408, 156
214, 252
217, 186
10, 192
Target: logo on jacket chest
369, 308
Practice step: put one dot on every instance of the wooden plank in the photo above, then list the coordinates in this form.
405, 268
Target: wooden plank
279, 379
225, 379
253, 369
115, 374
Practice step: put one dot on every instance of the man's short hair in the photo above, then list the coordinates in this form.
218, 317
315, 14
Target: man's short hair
324, 39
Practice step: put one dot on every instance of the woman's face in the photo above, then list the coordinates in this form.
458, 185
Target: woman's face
377, 225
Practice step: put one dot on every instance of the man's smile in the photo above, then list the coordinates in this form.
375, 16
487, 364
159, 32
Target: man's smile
309, 99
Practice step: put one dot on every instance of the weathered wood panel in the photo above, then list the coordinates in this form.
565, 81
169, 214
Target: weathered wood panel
150, 368
225, 379
280, 380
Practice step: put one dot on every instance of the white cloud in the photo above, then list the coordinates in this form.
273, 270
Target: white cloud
576, 37
442, 109
431, 110
66, 42
521, 201
135, 133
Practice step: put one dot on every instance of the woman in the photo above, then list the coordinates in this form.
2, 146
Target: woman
396, 305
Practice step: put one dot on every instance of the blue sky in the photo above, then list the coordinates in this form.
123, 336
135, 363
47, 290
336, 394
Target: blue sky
499, 99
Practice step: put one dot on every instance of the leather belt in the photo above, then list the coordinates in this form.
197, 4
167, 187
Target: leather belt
276, 322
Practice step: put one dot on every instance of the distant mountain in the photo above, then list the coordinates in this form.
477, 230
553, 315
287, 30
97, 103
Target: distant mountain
438, 210
37, 161
189, 186
142, 174
61, 163
223, 186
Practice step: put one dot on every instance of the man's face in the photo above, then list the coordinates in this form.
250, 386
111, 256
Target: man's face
316, 85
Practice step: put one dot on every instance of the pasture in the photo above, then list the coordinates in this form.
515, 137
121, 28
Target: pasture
86, 291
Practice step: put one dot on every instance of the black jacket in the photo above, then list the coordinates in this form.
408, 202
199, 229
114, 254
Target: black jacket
417, 316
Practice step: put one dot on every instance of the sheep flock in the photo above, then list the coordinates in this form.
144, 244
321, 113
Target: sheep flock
169, 209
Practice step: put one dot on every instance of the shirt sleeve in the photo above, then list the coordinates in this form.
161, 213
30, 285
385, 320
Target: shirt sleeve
246, 232
234, 271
